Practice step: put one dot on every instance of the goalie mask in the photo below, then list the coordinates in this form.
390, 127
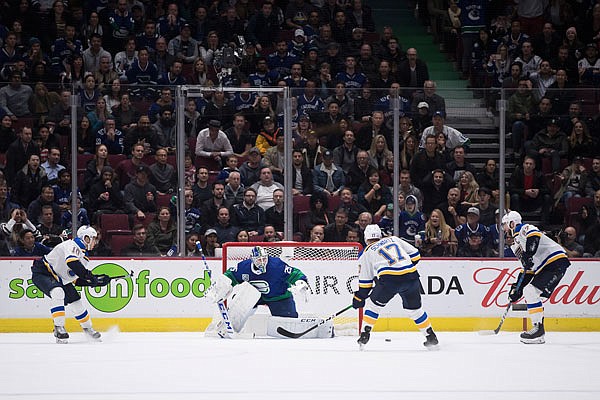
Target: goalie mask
510, 222
259, 258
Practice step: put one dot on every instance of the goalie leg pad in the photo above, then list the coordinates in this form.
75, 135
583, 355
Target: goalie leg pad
241, 304
301, 324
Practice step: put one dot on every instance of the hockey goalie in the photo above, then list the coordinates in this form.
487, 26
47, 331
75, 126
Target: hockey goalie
269, 281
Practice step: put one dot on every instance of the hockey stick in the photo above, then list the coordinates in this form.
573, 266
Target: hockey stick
508, 307
222, 309
286, 333
122, 276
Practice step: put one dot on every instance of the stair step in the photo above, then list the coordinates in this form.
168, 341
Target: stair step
457, 103
491, 147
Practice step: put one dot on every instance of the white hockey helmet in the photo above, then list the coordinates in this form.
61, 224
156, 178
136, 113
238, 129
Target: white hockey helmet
86, 231
259, 258
510, 221
373, 232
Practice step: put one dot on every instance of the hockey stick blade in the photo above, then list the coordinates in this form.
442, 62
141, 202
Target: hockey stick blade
292, 335
495, 331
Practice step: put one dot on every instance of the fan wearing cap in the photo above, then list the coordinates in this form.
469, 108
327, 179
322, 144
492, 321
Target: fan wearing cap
388, 267
212, 143
471, 227
211, 242
328, 178
549, 143
139, 194
298, 45
434, 101
267, 137
589, 66
453, 136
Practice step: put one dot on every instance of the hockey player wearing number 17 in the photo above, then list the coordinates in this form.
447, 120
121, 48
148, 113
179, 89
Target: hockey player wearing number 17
57, 272
261, 280
544, 264
393, 262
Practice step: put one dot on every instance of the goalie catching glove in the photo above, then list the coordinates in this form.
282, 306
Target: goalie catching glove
220, 289
516, 289
300, 290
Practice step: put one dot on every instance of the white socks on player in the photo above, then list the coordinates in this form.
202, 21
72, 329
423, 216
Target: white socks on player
57, 297
81, 314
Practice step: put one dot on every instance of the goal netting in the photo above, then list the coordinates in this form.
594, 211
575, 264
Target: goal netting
332, 272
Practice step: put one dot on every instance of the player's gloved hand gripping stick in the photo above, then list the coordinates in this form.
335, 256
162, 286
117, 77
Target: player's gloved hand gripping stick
222, 309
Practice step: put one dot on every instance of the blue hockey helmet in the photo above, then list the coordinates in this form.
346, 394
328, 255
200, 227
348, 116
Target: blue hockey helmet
259, 259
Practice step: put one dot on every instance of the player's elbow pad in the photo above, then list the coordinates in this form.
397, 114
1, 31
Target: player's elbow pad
531, 245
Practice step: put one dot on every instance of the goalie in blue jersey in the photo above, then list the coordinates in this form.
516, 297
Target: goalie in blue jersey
263, 280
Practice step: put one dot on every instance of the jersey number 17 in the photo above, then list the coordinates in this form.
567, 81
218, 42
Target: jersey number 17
391, 253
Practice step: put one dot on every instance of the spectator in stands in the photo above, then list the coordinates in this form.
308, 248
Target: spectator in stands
573, 180
412, 72
105, 75
352, 207
140, 247
312, 151
45, 197
468, 189
52, 166
190, 245
28, 181
344, 155
318, 213
212, 144
126, 116
105, 195
570, 75
459, 164
439, 240
211, 242
567, 238
379, 151
202, 189
427, 160
7, 134
250, 170
302, 179
365, 135
143, 133
542, 79
234, 189
454, 211
6, 204
338, 229
407, 188
589, 66
328, 178
412, 221
159, 59
111, 137
247, 215
453, 136
231, 164
82, 217
539, 119
209, 208
368, 64
474, 247
140, 195
142, 73
28, 246
520, 106
163, 175
434, 101
435, 189
487, 211
93, 54
593, 182
265, 188
52, 233
226, 232
528, 59
63, 189
528, 189
374, 195
549, 143
580, 141
14, 97
472, 225
489, 178
239, 137
162, 232
263, 27
317, 234
394, 54
99, 114
166, 129
274, 215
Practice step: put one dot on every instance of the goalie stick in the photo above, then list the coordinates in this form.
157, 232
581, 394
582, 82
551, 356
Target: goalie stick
504, 315
220, 304
292, 335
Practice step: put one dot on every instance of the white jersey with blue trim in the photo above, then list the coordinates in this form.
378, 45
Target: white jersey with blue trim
57, 261
388, 256
547, 252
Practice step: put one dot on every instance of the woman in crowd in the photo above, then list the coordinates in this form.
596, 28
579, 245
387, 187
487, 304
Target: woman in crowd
93, 169
468, 187
439, 240
379, 151
162, 232
374, 196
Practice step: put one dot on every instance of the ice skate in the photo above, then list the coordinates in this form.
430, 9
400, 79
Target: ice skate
535, 335
432, 342
92, 334
61, 335
364, 337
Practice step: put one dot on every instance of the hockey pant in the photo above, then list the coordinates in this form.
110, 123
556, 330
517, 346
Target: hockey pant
385, 289
542, 285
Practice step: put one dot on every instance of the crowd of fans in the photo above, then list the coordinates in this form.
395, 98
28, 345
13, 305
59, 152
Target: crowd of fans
123, 59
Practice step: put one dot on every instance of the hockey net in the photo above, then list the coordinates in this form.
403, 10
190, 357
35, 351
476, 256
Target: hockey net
331, 269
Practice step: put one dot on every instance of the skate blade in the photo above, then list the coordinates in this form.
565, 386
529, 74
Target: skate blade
361, 346
533, 341
62, 341
432, 347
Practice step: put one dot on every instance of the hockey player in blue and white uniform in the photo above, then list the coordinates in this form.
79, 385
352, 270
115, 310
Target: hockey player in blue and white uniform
392, 262
544, 264
57, 272
262, 280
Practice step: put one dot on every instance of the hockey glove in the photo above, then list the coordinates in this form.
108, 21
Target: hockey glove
516, 289
357, 302
527, 262
300, 291
99, 280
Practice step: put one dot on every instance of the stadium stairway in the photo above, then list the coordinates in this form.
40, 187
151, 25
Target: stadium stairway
464, 112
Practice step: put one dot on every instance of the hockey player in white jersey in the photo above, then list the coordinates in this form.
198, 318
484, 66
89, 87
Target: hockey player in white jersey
544, 264
57, 272
392, 263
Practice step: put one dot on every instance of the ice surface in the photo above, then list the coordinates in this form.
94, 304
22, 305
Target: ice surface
189, 366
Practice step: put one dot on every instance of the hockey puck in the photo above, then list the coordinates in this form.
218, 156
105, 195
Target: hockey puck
388, 340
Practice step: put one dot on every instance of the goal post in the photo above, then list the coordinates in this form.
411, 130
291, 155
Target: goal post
331, 269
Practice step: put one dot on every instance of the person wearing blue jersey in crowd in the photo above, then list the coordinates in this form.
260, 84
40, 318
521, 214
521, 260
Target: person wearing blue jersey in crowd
388, 267
544, 265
